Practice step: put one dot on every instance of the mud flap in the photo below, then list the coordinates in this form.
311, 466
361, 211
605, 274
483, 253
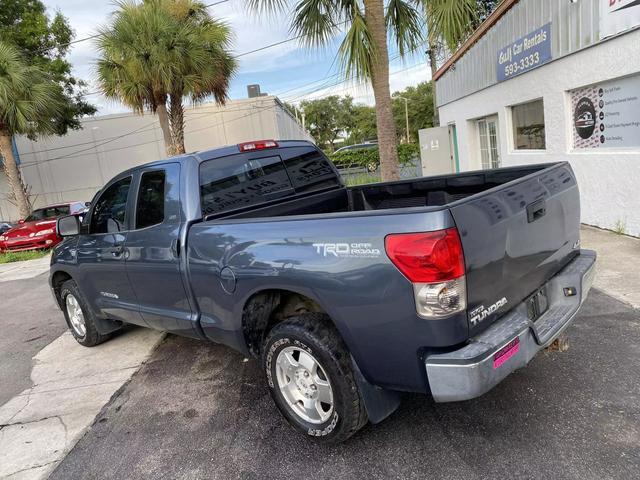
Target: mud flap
380, 403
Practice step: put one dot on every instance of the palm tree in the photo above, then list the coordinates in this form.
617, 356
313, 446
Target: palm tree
155, 53
29, 101
363, 53
207, 65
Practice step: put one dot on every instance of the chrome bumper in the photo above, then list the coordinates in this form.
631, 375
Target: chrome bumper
513, 341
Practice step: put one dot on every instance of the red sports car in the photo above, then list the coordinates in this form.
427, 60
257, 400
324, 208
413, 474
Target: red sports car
38, 230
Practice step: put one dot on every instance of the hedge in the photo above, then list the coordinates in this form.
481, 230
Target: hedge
407, 154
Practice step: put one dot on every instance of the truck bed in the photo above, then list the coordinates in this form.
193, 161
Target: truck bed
436, 191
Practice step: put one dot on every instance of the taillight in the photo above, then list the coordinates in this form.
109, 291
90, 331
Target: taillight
257, 145
434, 263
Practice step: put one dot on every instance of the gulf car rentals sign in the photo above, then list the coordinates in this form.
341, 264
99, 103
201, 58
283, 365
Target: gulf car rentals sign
616, 16
524, 54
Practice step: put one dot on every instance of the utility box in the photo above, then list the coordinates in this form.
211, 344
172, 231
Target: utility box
437, 150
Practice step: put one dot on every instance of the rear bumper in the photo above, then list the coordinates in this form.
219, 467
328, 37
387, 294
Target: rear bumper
513, 341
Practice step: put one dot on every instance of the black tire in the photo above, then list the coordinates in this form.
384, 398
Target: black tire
91, 336
314, 333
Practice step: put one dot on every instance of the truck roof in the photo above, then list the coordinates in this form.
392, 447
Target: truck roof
214, 153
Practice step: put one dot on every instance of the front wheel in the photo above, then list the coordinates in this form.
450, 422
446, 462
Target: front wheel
311, 379
79, 317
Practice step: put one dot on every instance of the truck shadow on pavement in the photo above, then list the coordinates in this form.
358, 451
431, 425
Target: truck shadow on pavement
197, 410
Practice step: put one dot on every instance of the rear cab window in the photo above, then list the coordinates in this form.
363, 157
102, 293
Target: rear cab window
232, 182
150, 204
238, 181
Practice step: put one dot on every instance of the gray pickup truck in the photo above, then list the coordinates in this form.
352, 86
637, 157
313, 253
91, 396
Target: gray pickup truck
348, 295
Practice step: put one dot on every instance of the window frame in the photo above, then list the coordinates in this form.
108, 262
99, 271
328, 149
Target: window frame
138, 186
512, 134
96, 200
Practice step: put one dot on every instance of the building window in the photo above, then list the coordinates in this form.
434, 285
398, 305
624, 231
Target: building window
528, 126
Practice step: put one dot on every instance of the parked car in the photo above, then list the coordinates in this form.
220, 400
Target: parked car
38, 230
357, 146
348, 161
5, 226
347, 295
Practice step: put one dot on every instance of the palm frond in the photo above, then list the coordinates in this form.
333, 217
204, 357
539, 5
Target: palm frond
29, 99
316, 21
357, 51
405, 25
451, 20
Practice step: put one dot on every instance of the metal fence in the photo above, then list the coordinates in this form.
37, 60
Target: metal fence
361, 176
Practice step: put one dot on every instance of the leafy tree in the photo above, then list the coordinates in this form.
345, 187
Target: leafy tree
156, 53
35, 46
362, 124
44, 42
327, 118
363, 53
30, 102
419, 106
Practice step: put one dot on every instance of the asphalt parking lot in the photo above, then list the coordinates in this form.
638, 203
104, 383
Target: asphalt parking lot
199, 410
30, 321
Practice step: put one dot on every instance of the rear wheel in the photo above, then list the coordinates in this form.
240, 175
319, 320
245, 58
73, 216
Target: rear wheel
79, 317
311, 380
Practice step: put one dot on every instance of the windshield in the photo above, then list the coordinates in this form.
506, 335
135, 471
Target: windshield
48, 213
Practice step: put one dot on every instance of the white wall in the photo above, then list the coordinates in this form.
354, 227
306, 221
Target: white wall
75, 166
609, 179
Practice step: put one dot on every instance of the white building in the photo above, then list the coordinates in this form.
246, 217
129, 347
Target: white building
75, 166
549, 80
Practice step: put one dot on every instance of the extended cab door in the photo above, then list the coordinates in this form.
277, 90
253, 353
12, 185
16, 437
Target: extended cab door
101, 254
154, 250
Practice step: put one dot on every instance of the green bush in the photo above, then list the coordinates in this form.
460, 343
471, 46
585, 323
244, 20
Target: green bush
407, 154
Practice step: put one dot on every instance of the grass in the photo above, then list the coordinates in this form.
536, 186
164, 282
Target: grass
360, 179
9, 257
620, 227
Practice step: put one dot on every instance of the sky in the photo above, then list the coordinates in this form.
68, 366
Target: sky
290, 71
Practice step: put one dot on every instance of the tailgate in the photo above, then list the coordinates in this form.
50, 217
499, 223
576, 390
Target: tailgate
516, 237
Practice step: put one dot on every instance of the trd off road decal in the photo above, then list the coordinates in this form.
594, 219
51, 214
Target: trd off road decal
478, 314
347, 250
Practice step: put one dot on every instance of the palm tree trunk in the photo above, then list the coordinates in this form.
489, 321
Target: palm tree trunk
433, 61
176, 118
163, 118
375, 21
13, 175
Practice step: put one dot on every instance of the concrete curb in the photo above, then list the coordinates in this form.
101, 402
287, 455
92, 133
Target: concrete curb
25, 269
71, 385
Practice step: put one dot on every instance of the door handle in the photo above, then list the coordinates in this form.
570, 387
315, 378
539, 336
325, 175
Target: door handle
536, 210
117, 250
175, 247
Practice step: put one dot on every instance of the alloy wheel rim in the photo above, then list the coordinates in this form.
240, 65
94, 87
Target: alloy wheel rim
76, 317
304, 385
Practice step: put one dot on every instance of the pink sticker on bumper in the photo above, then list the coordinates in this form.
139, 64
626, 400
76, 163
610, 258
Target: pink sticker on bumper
506, 353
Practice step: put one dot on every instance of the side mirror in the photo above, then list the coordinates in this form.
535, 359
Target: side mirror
68, 226
21, 221
87, 204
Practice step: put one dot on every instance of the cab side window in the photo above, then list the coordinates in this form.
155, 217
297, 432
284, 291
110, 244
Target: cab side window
150, 206
109, 212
